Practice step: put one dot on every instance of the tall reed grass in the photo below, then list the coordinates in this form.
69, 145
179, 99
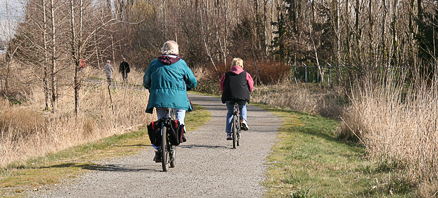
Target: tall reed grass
398, 125
28, 131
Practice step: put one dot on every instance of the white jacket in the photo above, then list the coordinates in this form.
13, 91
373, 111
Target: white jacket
109, 70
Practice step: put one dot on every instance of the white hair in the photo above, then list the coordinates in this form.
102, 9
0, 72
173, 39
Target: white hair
238, 62
170, 47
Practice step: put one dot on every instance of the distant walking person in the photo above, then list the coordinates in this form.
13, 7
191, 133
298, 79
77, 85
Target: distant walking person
82, 65
109, 71
124, 70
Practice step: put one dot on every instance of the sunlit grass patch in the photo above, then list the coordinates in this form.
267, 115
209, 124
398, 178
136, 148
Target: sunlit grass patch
309, 161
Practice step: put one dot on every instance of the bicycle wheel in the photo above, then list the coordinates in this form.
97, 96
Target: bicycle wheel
238, 129
164, 150
172, 156
234, 130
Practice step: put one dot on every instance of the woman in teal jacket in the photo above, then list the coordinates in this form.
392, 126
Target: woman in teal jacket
167, 78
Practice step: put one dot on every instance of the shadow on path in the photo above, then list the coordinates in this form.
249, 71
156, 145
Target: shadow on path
108, 167
202, 146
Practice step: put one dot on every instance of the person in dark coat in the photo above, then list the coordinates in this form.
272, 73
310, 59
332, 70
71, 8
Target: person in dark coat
236, 86
124, 70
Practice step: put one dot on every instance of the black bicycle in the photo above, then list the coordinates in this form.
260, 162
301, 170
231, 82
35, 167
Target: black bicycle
235, 126
167, 149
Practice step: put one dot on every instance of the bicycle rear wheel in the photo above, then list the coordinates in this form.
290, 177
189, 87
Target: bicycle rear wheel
164, 150
234, 130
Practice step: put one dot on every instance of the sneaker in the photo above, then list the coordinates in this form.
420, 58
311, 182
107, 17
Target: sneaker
157, 157
244, 125
229, 136
184, 138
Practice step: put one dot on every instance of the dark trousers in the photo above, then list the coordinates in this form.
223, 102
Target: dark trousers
125, 77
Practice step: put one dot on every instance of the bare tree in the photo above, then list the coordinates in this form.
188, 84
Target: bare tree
11, 47
81, 39
53, 57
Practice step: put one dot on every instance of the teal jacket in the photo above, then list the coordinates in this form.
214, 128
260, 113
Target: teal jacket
168, 85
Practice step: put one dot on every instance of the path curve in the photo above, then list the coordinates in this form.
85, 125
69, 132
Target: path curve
206, 166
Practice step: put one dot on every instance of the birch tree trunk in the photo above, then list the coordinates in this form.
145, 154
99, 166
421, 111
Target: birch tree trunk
320, 70
74, 53
371, 32
412, 51
46, 61
165, 21
348, 30
337, 42
203, 32
358, 32
383, 50
76, 56
420, 10
265, 34
225, 39
53, 70
394, 33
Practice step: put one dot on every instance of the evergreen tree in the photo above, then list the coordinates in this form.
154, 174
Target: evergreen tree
427, 40
277, 43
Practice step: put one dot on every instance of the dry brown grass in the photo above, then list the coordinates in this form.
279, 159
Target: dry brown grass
300, 97
28, 131
398, 126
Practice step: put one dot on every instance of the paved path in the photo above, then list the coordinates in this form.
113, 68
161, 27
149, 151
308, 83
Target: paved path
206, 166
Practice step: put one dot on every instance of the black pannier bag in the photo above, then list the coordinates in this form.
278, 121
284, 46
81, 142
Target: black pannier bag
181, 135
176, 132
154, 132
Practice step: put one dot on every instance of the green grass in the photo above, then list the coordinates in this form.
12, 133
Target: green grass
22, 176
309, 161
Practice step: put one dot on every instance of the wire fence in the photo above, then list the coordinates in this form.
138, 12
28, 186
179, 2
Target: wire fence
310, 74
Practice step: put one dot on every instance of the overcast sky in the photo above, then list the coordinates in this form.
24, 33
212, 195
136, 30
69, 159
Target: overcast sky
10, 10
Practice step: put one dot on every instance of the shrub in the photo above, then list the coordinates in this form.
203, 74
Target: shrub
267, 72
208, 86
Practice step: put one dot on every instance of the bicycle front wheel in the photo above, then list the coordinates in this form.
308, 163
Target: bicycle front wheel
164, 150
234, 131
238, 130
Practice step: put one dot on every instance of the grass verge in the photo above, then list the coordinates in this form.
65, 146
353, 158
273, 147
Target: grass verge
309, 161
22, 176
